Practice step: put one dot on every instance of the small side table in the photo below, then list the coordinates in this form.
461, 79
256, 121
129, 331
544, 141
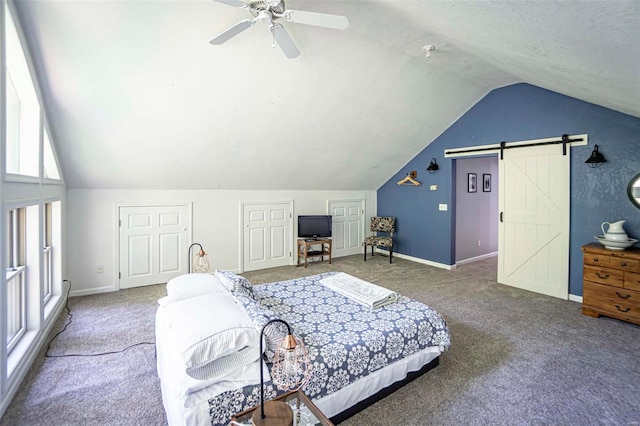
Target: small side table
305, 411
305, 250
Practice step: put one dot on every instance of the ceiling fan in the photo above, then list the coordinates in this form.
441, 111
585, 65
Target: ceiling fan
270, 11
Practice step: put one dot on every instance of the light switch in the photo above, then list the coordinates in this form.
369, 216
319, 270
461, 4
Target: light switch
442, 207
433, 187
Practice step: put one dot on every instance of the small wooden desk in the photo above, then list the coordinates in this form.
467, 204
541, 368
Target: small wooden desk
305, 250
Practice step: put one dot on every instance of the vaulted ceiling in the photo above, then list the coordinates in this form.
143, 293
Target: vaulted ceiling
136, 97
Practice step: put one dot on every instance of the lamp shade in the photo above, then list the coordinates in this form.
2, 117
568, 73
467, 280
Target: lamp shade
291, 364
200, 261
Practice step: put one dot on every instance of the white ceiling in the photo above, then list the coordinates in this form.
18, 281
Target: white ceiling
137, 97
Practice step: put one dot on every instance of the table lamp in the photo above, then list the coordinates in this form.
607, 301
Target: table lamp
200, 261
290, 371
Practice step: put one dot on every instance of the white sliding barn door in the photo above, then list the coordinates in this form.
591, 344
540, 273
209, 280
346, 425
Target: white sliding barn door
347, 228
533, 241
266, 235
153, 244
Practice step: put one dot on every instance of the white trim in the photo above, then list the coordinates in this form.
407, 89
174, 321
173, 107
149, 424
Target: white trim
574, 298
418, 260
477, 258
97, 290
12, 177
495, 148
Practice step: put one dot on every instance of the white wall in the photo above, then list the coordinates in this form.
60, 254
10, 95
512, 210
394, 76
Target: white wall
476, 212
92, 230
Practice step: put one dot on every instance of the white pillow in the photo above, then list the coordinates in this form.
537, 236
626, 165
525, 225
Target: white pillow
214, 336
190, 285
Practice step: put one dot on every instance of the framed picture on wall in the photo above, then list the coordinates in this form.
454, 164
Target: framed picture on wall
472, 182
486, 183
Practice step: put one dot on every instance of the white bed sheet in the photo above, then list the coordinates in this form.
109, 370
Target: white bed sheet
186, 399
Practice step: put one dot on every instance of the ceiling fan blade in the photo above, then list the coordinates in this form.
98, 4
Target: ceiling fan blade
336, 22
234, 3
231, 32
284, 41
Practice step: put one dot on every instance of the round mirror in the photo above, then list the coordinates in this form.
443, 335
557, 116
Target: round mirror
633, 190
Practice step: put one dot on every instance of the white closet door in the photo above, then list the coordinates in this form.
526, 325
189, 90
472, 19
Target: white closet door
533, 242
153, 244
266, 236
347, 227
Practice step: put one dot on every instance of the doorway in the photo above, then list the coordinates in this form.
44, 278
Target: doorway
476, 211
347, 227
267, 230
152, 243
534, 202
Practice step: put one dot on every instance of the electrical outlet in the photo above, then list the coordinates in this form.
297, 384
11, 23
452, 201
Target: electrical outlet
478, 243
100, 269
443, 207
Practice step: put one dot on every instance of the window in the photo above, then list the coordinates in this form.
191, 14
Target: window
50, 166
23, 108
47, 253
16, 277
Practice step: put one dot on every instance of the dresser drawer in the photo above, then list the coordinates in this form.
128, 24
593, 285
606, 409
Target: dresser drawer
606, 276
595, 259
632, 281
612, 300
624, 264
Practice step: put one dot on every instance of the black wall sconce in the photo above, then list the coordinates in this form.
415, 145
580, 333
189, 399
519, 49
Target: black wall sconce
433, 166
596, 158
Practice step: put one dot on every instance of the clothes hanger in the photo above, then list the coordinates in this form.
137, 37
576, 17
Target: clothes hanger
410, 179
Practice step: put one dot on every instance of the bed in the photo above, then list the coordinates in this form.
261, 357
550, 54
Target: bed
359, 354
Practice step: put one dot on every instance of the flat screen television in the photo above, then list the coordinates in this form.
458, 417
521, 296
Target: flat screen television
314, 226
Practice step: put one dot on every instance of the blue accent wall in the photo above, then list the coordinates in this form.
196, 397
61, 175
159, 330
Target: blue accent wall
515, 113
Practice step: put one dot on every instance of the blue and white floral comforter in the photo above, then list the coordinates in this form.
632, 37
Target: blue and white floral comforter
345, 340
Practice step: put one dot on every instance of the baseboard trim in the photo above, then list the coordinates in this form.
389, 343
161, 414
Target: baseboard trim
90, 291
575, 298
477, 258
22, 369
418, 260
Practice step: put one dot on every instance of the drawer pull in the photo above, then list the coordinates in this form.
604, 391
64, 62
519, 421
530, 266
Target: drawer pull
595, 259
623, 264
623, 310
623, 297
603, 277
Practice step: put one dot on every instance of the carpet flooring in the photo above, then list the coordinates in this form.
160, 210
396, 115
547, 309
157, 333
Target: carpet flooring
517, 358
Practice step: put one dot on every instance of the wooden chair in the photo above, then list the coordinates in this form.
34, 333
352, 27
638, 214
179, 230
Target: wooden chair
381, 224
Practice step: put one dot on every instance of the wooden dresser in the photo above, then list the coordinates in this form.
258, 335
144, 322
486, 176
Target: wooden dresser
611, 282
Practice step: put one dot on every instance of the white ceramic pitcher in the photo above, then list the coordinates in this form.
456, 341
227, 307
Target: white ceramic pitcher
615, 232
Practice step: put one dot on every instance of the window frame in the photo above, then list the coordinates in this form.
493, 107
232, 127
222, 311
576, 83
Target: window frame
16, 267
43, 126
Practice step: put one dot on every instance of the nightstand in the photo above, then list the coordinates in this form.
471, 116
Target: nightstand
305, 411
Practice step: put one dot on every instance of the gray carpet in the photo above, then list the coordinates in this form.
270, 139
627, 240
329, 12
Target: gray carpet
517, 358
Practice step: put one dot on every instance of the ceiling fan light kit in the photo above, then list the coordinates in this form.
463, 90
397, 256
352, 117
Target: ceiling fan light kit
269, 11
